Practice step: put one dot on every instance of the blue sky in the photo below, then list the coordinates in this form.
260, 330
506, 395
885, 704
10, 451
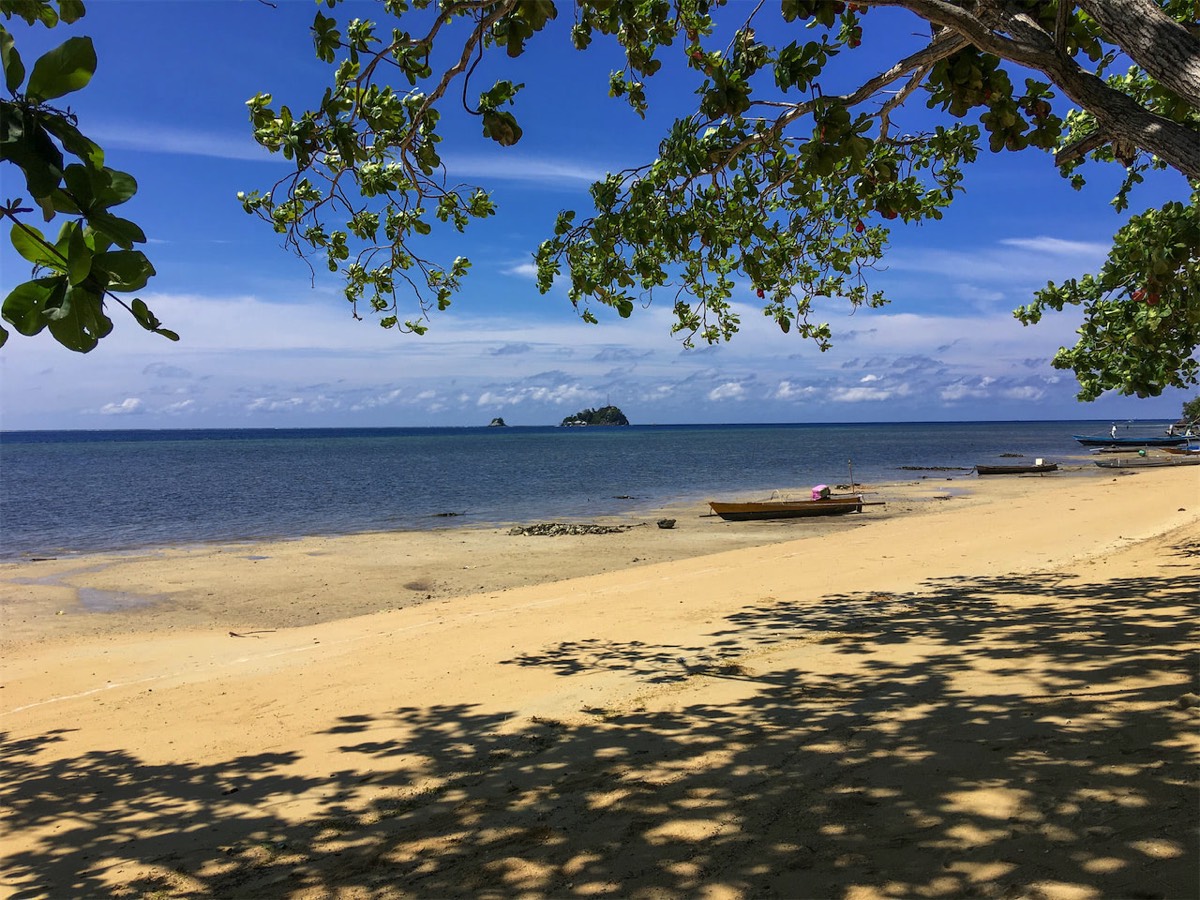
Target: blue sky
264, 345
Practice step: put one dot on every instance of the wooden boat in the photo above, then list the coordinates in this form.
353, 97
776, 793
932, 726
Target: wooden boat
1017, 469
790, 509
1107, 440
1146, 462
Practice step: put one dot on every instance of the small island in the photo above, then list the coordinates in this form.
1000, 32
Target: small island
497, 423
605, 415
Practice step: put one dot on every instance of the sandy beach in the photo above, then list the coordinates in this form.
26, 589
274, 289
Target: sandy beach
984, 688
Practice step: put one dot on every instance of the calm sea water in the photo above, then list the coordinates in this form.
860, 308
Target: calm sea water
105, 490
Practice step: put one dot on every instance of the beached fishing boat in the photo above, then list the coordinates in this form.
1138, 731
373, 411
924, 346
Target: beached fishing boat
1107, 440
1145, 462
1028, 469
790, 509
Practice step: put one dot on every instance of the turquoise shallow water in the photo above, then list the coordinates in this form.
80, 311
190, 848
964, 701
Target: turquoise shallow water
108, 490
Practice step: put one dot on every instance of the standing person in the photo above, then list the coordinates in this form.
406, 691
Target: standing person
1114, 429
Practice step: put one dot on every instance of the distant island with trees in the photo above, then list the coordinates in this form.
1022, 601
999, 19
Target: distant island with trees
605, 415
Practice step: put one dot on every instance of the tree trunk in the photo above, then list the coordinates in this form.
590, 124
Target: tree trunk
1153, 40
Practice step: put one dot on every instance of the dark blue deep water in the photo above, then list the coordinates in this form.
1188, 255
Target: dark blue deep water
105, 490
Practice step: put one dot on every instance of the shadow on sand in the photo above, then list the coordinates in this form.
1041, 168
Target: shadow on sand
1074, 766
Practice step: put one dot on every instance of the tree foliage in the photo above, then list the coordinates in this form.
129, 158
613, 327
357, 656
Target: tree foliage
92, 257
773, 179
1191, 410
605, 415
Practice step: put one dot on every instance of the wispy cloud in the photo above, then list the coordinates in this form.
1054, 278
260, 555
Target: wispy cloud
1007, 267
869, 394
180, 141
1053, 246
521, 270
127, 407
532, 170
510, 350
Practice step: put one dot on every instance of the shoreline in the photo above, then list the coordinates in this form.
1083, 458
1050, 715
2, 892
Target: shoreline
165, 587
982, 693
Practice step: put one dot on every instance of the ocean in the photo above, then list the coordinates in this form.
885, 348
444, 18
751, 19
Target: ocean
77, 491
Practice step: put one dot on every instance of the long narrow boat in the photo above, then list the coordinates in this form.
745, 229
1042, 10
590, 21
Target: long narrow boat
1017, 469
790, 509
1147, 462
1107, 440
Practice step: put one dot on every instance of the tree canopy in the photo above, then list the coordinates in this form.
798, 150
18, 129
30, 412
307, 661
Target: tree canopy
779, 178
1191, 410
92, 257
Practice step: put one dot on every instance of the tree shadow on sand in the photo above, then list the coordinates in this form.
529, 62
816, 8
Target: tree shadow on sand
1073, 768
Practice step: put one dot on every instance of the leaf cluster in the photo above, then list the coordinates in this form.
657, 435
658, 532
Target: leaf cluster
93, 256
772, 182
1141, 311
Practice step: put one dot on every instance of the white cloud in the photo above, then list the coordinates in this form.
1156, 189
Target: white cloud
1005, 270
532, 170
788, 391
522, 270
1053, 246
555, 395
179, 141
953, 393
729, 391
868, 394
264, 404
128, 406
1024, 392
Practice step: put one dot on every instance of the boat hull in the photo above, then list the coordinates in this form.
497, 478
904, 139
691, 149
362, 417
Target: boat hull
786, 509
1016, 470
1105, 440
1147, 462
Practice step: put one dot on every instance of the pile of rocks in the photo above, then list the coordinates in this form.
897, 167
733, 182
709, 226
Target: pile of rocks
557, 528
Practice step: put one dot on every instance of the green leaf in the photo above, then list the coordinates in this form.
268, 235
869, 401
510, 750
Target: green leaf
33, 246
326, 37
74, 141
14, 69
79, 257
71, 10
25, 142
66, 68
120, 231
149, 321
127, 270
95, 190
24, 306
80, 322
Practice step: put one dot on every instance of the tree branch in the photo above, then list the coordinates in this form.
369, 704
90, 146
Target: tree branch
1152, 39
1118, 115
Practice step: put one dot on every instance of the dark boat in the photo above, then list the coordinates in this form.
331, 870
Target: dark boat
1017, 469
790, 509
1107, 440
